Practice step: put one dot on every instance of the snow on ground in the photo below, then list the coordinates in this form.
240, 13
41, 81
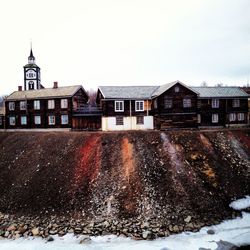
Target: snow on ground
236, 231
241, 203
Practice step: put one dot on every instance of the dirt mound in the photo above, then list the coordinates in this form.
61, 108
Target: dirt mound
166, 177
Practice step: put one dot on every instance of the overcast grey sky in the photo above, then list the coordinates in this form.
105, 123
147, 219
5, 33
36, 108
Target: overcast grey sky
126, 42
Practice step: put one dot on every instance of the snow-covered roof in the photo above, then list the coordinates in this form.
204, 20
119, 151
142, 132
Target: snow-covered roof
161, 89
45, 93
220, 92
127, 92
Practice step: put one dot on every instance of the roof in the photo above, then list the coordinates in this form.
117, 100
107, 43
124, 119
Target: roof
31, 65
246, 89
205, 92
44, 93
167, 86
127, 92
148, 92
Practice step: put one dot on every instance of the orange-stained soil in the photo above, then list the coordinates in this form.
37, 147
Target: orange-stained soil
164, 176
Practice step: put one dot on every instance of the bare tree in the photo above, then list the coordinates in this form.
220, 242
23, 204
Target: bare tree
2, 101
219, 84
92, 97
204, 84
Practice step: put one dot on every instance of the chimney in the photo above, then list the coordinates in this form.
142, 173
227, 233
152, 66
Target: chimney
55, 85
20, 88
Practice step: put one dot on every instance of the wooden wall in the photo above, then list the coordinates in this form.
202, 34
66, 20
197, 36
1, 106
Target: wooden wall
177, 116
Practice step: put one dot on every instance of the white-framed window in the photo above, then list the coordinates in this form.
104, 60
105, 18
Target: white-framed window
51, 104
187, 103
37, 119
139, 105
236, 103
64, 103
119, 106
22, 105
139, 119
215, 118
11, 105
232, 117
52, 120
119, 120
176, 89
199, 118
215, 103
168, 102
64, 119
12, 120
36, 104
241, 116
23, 120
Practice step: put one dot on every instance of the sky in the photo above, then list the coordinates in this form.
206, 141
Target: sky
126, 42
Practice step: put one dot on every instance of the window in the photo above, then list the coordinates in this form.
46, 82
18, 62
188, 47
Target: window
236, 103
199, 104
23, 120
36, 104
241, 117
11, 106
52, 120
51, 104
198, 118
139, 119
215, 118
12, 120
37, 119
1, 120
139, 105
31, 85
186, 103
215, 103
155, 104
176, 89
64, 119
119, 106
119, 120
168, 102
64, 103
232, 117
22, 105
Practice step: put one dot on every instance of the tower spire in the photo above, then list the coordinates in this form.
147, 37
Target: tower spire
31, 52
31, 58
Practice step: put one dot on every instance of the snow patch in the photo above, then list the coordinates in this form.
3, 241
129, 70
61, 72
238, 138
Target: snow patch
241, 203
236, 231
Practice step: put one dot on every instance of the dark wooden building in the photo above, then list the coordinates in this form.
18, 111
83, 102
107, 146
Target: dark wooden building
2, 116
174, 105
222, 106
247, 90
44, 108
126, 107
87, 117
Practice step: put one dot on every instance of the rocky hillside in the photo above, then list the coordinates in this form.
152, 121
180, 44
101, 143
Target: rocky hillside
140, 184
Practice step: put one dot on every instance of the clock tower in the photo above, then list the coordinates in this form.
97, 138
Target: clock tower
32, 78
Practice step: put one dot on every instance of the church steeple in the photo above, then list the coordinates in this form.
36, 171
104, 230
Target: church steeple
31, 58
32, 74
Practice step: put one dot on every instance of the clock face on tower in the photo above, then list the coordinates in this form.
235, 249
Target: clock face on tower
31, 74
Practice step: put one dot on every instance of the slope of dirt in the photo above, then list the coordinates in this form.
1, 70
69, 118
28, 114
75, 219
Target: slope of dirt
179, 180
